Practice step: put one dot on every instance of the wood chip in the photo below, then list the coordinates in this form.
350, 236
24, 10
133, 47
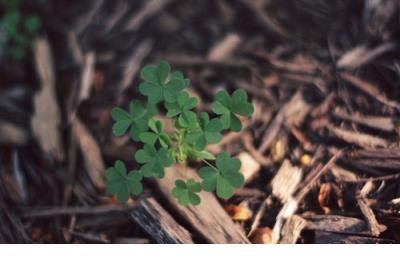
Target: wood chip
12, 134
336, 223
224, 48
337, 238
159, 224
46, 120
288, 209
148, 10
293, 106
361, 55
343, 175
375, 228
209, 219
286, 180
250, 167
378, 122
91, 153
292, 229
383, 153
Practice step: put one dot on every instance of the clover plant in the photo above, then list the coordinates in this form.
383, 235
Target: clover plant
17, 28
166, 90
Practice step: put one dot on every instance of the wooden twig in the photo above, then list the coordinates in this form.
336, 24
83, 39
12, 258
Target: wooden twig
148, 10
369, 89
312, 179
60, 211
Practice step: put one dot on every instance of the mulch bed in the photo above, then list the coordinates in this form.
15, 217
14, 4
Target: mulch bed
321, 152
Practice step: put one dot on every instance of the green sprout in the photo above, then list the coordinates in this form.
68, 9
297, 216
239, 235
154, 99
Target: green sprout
18, 28
188, 141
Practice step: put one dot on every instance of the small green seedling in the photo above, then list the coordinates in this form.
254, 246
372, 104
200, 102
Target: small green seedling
166, 89
17, 29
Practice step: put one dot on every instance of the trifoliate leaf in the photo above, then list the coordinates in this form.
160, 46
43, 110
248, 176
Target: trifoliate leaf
181, 108
224, 178
185, 192
136, 119
230, 106
160, 85
32, 24
156, 133
207, 132
121, 184
153, 161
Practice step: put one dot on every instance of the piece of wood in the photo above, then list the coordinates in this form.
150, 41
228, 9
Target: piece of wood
224, 48
148, 10
383, 153
265, 21
291, 230
249, 167
159, 224
370, 89
361, 55
384, 123
374, 226
290, 108
46, 120
288, 209
286, 180
209, 219
12, 134
336, 238
360, 139
91, 153
336, 223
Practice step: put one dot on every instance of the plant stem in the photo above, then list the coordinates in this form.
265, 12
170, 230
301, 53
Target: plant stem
212, 166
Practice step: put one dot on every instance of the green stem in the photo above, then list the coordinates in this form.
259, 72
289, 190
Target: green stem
212, 166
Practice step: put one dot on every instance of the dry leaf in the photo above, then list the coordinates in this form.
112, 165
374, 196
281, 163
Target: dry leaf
262, 235
305, 160
239, 213
323, 197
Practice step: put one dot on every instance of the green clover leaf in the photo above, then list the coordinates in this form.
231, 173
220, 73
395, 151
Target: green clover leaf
185, 192
223, 179
160, 85
156, 133
181, 108
207, 132
121, 184
153, 161
136, 119
230, 106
